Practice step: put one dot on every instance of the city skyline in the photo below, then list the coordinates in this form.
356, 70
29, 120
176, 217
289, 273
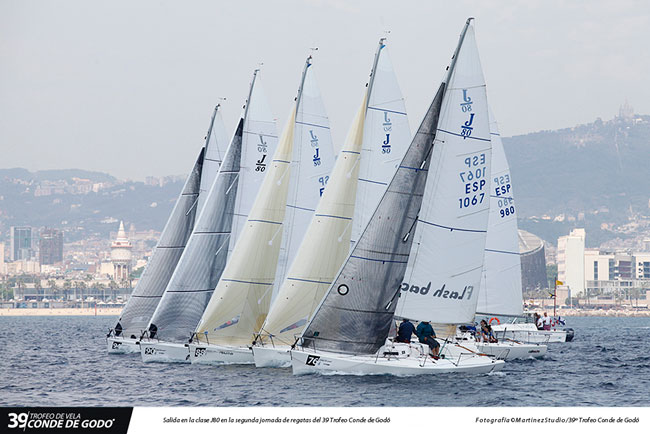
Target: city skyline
128, 89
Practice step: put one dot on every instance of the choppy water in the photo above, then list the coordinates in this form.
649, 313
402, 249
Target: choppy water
63, 361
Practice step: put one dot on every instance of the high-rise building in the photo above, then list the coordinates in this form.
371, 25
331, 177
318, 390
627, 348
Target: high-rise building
121, 255
571, 261
21, 243
51, 247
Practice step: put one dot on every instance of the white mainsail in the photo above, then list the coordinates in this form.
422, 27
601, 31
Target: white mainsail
259, 142
443, 275
216, 144
500, 292
325, 245
242, 297
311, 163
386, 136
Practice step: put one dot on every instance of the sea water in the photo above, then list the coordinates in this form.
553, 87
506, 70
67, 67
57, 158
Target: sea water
62, 361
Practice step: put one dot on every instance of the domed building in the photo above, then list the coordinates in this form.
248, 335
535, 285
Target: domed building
121, 255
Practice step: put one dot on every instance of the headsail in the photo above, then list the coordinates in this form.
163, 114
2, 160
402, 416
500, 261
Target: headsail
164, 258
325, 245
242, 297
386, 136
311, 164
444, 271
204, 258
500, 292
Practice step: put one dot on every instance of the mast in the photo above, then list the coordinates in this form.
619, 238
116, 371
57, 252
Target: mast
250, 94
214, 115
374, 69
454, 57
302, 83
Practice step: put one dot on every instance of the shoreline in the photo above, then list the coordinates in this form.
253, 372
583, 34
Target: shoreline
57, 311
116, 311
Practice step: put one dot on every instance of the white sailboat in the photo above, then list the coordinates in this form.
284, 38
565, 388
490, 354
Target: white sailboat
125, 336
294, 184
500, 292
205, 257
348, 332
378, 137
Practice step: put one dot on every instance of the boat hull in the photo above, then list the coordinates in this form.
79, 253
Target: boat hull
309, 362
118, 345
164, 352
525, 333
220, 355
272, 357
512, 350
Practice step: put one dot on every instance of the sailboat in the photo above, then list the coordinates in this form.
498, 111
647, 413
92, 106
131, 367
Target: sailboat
125, 336
500, 292
429, 210
362, 172
278, 221
204, 259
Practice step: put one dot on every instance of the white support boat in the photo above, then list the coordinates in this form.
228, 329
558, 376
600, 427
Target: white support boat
368, 159
528, 332
368, 285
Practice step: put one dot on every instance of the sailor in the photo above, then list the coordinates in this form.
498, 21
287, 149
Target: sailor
486, 332
539, 322
547, 321
427, 336
406, 329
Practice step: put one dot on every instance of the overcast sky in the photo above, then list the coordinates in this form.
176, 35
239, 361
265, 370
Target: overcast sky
128, 87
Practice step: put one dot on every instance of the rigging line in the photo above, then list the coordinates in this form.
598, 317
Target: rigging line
192, 207
234, 180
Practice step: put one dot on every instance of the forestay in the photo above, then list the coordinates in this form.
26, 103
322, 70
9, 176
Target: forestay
324, 247
311, 163
355, 315
164, 258
204, 258
444, 272
386, 136
242, 297
500, 292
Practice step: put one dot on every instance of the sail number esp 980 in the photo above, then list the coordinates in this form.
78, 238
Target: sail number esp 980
474, 181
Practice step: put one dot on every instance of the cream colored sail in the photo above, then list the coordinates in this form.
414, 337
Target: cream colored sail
241, 300
324, 247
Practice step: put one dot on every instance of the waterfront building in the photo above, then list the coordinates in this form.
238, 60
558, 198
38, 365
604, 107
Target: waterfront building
571, 261
21, 243
533, 261
50, 249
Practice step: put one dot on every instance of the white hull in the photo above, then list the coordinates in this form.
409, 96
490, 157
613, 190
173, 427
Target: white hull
166, 352
272, 357
528, 333
512, 350
220, 355
395, 359
118, 345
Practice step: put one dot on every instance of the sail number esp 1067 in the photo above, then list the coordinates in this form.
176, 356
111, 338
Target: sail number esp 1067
473, 180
